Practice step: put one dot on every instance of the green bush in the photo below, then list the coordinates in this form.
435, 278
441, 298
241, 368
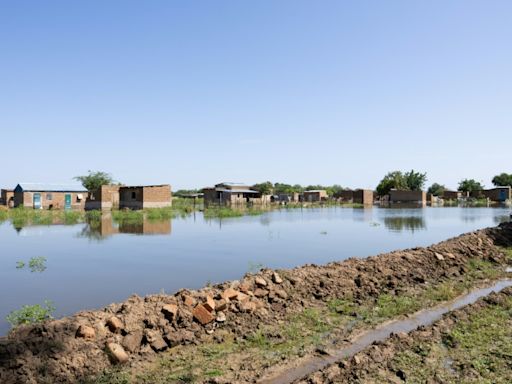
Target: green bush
31, 314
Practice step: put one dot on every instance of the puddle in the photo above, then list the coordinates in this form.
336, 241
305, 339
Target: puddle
422, 318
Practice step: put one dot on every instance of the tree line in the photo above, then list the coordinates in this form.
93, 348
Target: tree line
411, 180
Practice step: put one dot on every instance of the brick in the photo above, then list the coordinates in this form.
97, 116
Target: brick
202, 315
229, 294
221, 305
189, 301
170, 311
209, 304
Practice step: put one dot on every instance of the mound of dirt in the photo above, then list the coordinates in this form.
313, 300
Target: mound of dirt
71, 348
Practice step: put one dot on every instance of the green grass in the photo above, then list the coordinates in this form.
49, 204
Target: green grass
30, 314
478, 349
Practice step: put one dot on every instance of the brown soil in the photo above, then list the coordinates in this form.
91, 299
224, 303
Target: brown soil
135, 331
378, 363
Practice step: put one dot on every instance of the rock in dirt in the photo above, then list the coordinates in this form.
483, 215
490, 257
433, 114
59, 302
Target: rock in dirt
86, 332
221, 317
114, 324
276, 278
131, 342
170, 311
155, 339
117, 353
260, 281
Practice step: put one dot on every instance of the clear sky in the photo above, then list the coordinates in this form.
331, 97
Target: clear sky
312, 92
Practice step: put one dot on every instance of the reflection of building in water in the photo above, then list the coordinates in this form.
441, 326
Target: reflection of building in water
106, 227
401, 223
146, 227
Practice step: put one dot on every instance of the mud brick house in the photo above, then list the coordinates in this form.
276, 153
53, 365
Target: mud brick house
362, 196
233, 194
148, 196
451, 195
7, 197
50, 196
132, 197
315, 195
500, 194
399, 196
106, 197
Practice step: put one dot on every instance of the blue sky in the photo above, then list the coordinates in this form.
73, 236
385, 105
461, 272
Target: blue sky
196, 92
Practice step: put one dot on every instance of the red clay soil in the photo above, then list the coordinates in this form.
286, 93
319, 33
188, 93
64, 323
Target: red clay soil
71, 348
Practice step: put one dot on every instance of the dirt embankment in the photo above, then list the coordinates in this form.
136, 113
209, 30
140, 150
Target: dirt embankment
470, 345
129, 333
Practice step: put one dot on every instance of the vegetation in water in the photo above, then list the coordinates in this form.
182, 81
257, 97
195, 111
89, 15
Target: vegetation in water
30, 314
35, 264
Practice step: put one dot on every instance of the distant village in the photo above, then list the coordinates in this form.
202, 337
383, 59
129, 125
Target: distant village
58, 196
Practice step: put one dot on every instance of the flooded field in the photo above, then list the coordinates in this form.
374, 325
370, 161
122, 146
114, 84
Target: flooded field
88, 266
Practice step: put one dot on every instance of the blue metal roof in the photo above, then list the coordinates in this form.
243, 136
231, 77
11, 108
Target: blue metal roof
42, 187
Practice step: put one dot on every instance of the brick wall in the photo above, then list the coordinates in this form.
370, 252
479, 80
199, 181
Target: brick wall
407, 196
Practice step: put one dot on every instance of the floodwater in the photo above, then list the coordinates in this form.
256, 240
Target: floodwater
90, 266
382, 332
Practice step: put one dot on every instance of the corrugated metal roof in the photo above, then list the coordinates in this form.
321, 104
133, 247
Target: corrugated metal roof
236, 190
316, 190
43, 187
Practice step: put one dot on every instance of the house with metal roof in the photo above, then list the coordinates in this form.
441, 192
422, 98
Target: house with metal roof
233, 194
49, 196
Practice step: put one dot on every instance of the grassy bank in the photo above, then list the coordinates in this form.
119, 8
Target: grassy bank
299, 334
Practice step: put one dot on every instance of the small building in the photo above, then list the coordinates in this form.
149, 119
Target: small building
346, 195
451, 195
233, 194
362, 196
49, 196
500, 194
7, 197
315, 195
148, 196
401, 196
132, 197
106, 197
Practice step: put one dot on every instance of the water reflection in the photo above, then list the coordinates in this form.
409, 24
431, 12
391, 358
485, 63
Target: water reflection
106, 226
407, 223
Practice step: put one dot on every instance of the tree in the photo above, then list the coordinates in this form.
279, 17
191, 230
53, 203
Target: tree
94, 180
470, 185
415, 181
334, 189
409, 181
393, 180
502, 180
264, 188
436, 189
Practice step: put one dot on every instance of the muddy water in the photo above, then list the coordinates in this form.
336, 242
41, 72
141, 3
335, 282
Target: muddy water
422, 318
90, 266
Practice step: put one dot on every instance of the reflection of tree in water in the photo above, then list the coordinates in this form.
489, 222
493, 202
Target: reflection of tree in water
407, 223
